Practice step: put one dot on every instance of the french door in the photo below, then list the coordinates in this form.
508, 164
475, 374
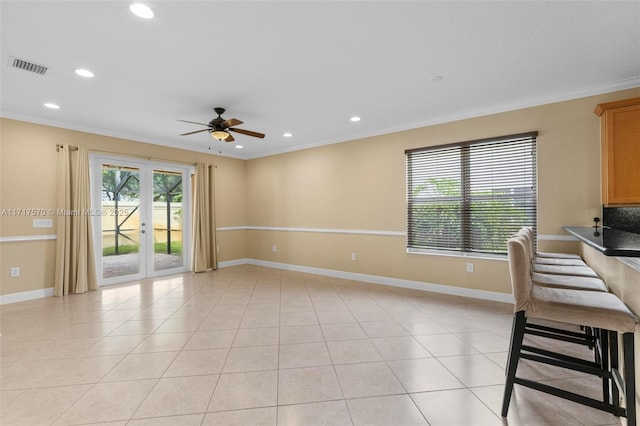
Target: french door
143, 226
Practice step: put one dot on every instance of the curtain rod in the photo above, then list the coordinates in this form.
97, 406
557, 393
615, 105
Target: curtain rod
75, 148
71, 148
148, 158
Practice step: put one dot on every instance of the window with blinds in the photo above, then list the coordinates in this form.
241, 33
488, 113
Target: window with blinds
471, 196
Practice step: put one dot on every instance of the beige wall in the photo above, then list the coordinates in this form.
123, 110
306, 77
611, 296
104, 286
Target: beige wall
357, 185
28, 180
361, 185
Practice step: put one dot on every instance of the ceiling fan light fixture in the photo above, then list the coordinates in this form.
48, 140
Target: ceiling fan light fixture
219, 135
219, 128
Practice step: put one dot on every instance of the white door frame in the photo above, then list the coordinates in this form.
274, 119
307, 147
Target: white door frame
146, 252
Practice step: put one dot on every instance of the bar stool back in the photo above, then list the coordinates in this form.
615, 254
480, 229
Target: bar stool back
547, 255
557, 266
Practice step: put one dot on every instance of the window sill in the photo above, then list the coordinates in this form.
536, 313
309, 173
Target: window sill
462, 254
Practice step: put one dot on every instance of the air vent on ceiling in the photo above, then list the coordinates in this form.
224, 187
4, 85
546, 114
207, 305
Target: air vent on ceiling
25, 65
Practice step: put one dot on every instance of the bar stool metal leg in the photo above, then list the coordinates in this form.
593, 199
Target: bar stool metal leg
613, 367
629, 377
603, 349
519, 323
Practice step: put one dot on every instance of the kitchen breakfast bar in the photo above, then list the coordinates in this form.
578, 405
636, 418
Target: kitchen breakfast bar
609, 241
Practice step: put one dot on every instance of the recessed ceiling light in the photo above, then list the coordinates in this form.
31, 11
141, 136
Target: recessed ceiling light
51, 105
141, 10
239, 146
84, 73
355, 118
287, 135
435, 79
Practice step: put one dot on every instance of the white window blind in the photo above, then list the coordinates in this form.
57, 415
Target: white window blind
471, 196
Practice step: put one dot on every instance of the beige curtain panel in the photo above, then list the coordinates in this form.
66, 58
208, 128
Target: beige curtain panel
204, 225
75, 268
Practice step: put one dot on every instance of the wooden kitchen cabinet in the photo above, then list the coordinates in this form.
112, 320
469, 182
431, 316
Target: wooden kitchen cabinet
620, 139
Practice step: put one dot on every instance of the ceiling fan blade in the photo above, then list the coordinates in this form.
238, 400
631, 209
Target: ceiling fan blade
248, 133
195, 131
231, 122
229, 139
193, 122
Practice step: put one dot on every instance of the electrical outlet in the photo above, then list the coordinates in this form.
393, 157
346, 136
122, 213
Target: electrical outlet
469, 267
15, 271
354, 256
43, 223
274, 249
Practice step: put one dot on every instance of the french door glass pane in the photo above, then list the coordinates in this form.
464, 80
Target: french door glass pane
167, 220
120, 204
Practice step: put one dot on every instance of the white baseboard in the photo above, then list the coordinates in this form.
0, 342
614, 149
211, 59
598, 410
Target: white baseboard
26, 295
234, 262
375, 279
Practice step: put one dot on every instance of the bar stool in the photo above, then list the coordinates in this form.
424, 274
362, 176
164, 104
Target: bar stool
571, 282
551, 279
600, 310
557, 266
587, 336
546, 255
575, 282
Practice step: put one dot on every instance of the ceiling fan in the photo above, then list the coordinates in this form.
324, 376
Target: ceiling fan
219, 127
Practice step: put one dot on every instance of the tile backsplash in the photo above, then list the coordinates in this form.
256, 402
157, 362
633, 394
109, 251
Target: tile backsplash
623, 218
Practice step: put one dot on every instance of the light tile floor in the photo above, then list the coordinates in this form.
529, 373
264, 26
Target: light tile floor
259, 346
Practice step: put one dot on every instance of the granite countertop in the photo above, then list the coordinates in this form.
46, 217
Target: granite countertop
611, 242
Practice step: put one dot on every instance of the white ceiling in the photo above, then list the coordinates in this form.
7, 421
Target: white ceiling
306, 67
